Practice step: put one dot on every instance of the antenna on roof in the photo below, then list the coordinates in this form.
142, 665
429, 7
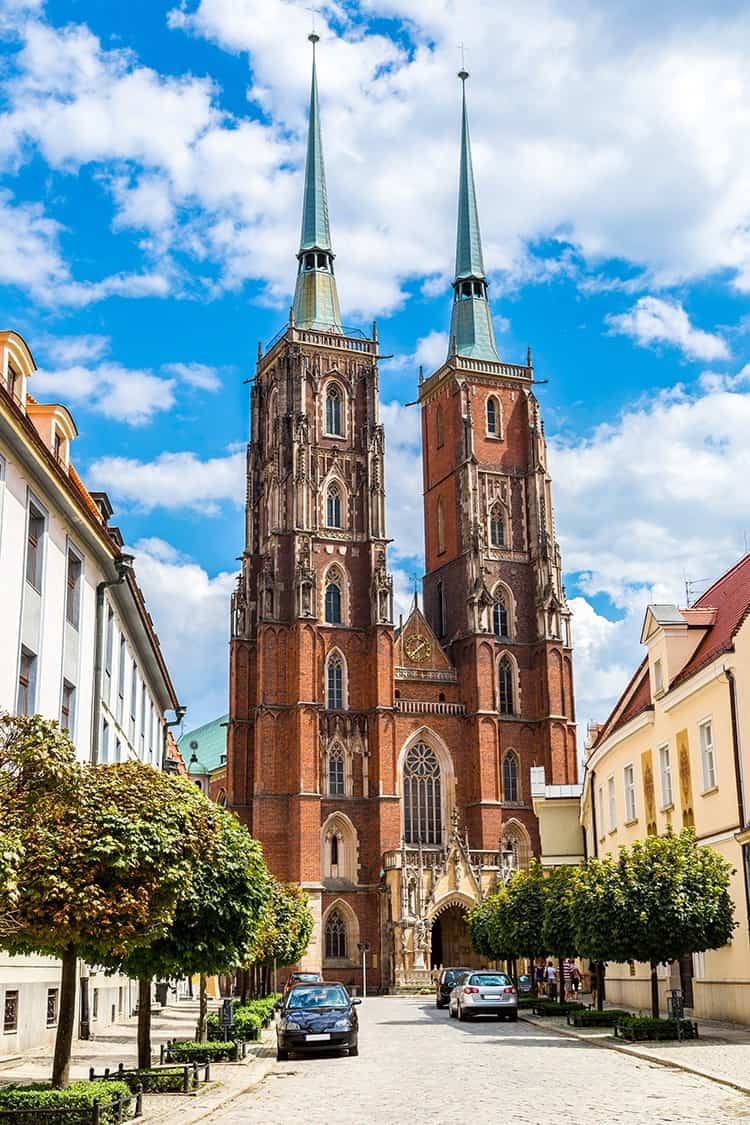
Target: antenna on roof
692, 589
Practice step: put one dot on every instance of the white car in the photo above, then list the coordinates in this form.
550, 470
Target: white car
483, 993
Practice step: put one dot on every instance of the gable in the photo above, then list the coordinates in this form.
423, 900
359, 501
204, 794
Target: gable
417, 648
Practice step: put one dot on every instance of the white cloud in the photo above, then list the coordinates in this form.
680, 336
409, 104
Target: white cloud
173, 481
403, 479
121, 393
73, 350
195, 375
653, 320
193, 627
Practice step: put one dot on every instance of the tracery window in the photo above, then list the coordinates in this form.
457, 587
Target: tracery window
333, 506
333, 411
497, 527
500, 616
333, 599
335, 937
422, 803
510, 777
506, 701
336, 782
334, 850
335, 684
493, 428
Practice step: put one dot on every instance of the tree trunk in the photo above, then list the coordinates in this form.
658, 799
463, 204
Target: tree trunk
203, 1010
561, 980
66, 1020
144, 1022
600, 986
244, 985
654, 992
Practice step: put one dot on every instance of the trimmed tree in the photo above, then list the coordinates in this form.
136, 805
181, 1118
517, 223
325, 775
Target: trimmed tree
558, 923
284, 931
598, 916
216, 918
105, 853
524, 910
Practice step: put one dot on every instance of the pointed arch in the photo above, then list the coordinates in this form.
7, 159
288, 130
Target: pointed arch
340, 934
511, 777
410, 791
333, 506
497, 530
336, 681
339, 848
515, 847
335, 596
502, 612
507, 684
493, 417
334, 397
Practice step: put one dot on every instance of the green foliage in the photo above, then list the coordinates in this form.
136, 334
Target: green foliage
522, 912
78, 1096
164, 1080
189, 1051
592, 1018
546, 1007
647, 1027
598, 909
249, 1018
558, 924
478, 919
285, 929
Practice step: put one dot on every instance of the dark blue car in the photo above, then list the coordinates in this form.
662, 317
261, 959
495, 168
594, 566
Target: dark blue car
317, 1017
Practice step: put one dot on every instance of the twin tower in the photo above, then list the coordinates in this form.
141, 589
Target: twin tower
388, 770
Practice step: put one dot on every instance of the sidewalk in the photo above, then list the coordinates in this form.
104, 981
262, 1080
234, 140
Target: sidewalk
117, 1044
722, 1053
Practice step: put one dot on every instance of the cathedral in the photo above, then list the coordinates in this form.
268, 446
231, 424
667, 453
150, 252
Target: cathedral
386, 768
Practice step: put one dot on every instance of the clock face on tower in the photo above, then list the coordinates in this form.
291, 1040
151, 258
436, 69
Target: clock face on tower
417, 648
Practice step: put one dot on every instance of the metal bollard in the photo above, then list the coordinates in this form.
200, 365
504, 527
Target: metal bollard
186, 1079
138, 1101
95, 1116
208, 1071
92, 1074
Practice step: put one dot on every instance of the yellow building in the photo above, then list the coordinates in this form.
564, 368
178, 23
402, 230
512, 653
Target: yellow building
676, 752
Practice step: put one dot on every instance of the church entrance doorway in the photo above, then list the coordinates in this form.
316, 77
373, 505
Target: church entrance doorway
451, 944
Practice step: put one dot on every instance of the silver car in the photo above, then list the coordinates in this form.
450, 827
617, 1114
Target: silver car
483, 993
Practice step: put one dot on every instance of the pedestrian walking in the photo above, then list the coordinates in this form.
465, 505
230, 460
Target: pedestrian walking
550, 979
567, 981
575, 981
539, 979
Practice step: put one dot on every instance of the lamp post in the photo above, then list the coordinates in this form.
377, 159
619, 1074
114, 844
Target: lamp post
364, 948
180, 713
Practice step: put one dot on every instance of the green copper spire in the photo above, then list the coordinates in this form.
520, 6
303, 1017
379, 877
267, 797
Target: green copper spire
316, 302
472, 334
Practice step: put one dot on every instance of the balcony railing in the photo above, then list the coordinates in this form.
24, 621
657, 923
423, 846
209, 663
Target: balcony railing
349, 339
422, 707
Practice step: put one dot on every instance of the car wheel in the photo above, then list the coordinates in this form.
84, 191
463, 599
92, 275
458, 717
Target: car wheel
354, 1051
461, 1014
282, 1055
438, 1004
451, 1012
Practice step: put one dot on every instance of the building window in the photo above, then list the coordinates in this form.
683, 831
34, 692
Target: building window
133, 700
612, 802
600, 805
109, 644
26, 702
334, 851
497, 527
53, 996
630, 806
422, 804
104, 756
73, 591
493, 417
10, 1010
336, 785
34, 547
439, 610
658, 677
335, 684
440, 526
335, 937
439, 427
506, 701
121, 679
14, 383
333, 600
142, 738
118, 750
95, 1005
500, 617
68, 707
333, 411
510, 777
708, 757
665, 771
333, 506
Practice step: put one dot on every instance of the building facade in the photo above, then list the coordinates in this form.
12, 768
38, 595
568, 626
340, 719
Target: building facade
674, 754
77, 645
387, 770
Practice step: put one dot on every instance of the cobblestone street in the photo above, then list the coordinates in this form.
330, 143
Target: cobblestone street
416, 1063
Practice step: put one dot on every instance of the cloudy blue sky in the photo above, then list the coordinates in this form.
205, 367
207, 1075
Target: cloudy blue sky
151, 158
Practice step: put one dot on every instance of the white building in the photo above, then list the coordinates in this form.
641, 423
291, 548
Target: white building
76, 644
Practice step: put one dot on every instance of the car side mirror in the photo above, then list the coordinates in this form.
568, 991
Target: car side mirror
356, 1000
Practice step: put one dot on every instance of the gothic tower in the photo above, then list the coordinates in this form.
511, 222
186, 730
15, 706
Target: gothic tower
493, 584
312, 640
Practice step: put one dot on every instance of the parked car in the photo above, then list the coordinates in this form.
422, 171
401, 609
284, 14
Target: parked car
300, 977
317, 1017
446, 982
484, 993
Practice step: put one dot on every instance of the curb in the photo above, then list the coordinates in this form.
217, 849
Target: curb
643, 1055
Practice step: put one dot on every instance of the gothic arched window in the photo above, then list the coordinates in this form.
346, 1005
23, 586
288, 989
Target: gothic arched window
333, 506
333, 599
439, 428
497, 527
422, 803
335, 684
333, 411
510, 777
500, 616
506, 701
440, 526
334, 850
335, 937
493, 417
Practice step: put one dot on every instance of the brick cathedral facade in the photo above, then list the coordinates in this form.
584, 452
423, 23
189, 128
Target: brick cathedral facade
386, 769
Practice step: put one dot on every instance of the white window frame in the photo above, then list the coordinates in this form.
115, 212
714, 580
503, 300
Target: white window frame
709, 783
75, 621
665, 754
600, 802
658, 677
41, 550
612, 803
631, 803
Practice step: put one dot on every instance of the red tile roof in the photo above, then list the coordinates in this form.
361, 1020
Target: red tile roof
730, 598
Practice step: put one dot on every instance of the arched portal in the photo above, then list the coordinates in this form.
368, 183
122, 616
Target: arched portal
451, 944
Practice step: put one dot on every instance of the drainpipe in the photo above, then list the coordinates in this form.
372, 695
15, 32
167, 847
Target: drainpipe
594, 829
123, 566
180, 713
733, 711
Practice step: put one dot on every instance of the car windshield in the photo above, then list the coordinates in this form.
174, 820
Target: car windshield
489, 980
324, 996
452, 975
305, 976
